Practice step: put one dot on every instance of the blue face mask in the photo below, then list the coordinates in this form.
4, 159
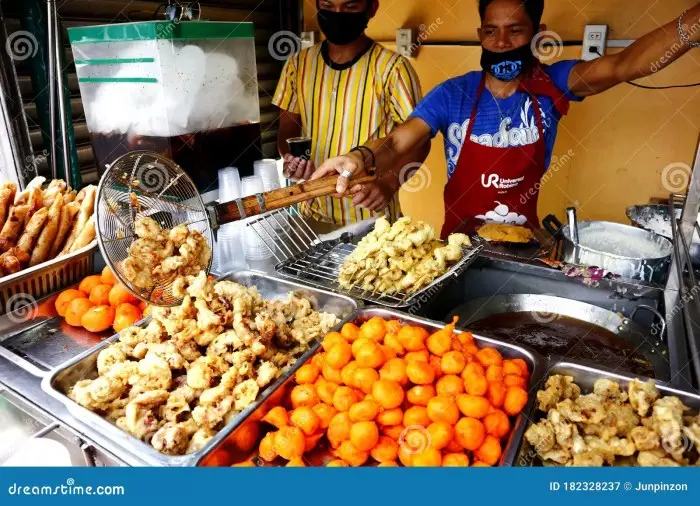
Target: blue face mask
508, 65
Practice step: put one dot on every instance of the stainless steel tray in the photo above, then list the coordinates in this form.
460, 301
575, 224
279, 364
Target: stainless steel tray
58, 381
25, 287
536, 363
585, 376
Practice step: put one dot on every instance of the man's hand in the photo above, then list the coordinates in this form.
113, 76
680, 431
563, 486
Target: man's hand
372, 196
297, 169
345, 165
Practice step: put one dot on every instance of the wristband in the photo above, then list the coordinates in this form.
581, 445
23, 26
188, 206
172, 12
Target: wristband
363, 150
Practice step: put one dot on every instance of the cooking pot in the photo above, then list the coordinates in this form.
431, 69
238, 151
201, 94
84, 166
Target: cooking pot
657, 218
627, 251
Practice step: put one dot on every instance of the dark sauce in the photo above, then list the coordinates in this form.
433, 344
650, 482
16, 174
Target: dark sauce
566, 337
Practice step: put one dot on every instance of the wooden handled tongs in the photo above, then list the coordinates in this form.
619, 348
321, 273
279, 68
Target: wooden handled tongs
261, 203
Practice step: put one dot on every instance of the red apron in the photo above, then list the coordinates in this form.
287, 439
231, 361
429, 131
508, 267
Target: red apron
490, 184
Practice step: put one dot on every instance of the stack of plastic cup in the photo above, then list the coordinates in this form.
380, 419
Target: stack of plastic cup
267, 170
254, 246
229, 254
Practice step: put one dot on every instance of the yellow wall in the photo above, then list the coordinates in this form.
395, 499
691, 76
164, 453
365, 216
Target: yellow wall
621, 140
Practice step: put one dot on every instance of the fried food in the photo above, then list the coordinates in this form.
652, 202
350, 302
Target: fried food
178, 381
500, 232
159, 256
611, 426
403, 257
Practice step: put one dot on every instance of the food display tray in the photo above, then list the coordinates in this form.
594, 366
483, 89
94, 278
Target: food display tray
228, 454
585, 376
29, 285
84, 366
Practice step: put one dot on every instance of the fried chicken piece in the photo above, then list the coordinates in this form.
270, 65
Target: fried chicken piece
655, 458
214, 405
109, 356
609, 390
199, 440
541, 436
642, 396
585, 409
153, 374
266, 372
645, 439
557, 455
619, 421
245, 394
177, 407
173, 438
141, 422
203, 371
563, 430
168, 352
588, 459
98, 393
557, 388
667, 420
692, 431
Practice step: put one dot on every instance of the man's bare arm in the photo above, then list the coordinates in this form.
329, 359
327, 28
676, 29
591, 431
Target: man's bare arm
653, 52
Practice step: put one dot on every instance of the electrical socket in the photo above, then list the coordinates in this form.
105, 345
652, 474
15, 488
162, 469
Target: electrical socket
405, 37
308, 39
595, 40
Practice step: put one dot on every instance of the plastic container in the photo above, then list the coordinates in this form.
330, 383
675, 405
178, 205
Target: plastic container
229, 184
187, 90
253, 245
267, 170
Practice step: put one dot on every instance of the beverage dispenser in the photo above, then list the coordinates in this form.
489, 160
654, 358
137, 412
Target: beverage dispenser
187, 90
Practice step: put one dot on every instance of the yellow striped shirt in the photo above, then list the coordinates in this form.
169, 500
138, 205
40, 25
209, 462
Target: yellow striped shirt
341, 109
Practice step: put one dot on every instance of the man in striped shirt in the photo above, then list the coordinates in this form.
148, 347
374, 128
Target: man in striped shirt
342, 93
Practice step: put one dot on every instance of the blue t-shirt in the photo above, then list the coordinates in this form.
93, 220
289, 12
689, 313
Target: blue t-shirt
448, 107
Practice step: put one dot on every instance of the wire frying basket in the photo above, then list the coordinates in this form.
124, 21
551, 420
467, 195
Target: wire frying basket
146, 184
301, 255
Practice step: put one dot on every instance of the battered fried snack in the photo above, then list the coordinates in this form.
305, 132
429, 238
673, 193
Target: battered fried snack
500, 232
13, 227
48, 234
7, 196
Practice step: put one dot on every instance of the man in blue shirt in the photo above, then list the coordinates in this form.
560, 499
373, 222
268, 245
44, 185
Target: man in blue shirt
500, 123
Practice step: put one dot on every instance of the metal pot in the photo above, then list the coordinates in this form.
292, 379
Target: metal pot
548, 309
651, 268
657, 218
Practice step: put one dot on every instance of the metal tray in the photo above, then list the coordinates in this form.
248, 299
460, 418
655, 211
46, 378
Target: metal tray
228, 455
84, 366
585, 376
25, 287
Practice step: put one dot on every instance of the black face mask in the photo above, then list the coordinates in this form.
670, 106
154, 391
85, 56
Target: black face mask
342, 27
509, 65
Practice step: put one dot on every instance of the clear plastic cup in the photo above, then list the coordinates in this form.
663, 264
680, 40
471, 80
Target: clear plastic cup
255, 239
230, 187
267, 170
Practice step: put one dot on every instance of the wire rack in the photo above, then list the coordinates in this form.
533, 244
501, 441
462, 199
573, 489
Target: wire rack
304, 257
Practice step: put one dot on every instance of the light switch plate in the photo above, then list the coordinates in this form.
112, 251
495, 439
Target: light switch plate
308, 39
595, 40
405, 38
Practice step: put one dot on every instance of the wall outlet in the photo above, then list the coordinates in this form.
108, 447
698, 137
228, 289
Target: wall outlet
595, 40
405, 38
308, 39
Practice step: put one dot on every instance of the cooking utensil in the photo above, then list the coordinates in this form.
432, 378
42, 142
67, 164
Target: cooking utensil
657, 218
84, 366
228, 455
547, 311
613, 248
585, 377
144, 183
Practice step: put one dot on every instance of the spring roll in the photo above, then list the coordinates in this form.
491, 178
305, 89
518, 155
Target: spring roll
7, 195
12, 261
87, 207
35, 202
86, 235
13, 227
48, 234
68, 214
23, 197
31, 232
69, 196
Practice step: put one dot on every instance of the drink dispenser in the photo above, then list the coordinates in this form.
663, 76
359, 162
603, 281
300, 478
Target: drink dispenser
187, 90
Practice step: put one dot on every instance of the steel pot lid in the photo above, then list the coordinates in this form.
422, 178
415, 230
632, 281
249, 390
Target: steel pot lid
623, 235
